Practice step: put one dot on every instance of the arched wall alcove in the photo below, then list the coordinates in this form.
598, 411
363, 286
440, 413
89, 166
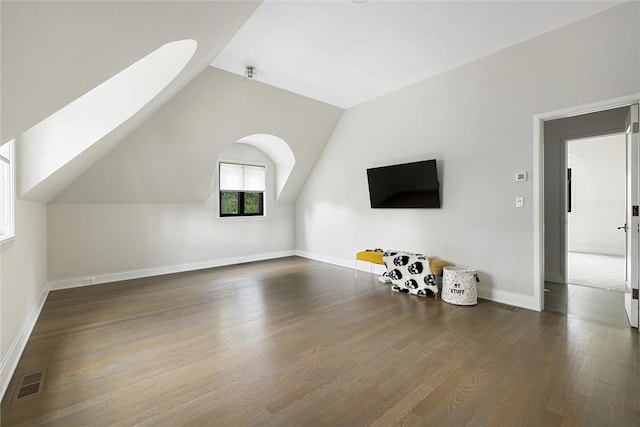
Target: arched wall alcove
278, 151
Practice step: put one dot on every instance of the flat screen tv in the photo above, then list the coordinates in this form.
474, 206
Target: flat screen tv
407, 185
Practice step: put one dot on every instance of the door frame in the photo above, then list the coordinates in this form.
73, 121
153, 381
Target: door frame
631, 307
538, 179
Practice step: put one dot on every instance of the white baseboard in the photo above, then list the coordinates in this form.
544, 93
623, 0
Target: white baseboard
597, 251
505, 297
367, 267
75, 282
11, 359
510, 298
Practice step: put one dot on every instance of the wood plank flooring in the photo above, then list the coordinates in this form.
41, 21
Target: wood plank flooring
599, 305
294, 342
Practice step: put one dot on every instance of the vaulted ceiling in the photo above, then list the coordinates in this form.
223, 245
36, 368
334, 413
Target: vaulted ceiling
53, 52
345, 53
172, 156
337, 52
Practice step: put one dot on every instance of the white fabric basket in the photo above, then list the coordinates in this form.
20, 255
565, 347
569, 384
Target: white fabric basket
459, 285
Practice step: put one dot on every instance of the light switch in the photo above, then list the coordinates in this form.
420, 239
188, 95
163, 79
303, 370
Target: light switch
519, 202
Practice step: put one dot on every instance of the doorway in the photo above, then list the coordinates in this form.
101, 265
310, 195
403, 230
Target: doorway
595, 199
596, 212
556, 129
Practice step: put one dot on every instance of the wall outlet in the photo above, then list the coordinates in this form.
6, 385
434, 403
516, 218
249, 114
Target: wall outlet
519, 202
88, 280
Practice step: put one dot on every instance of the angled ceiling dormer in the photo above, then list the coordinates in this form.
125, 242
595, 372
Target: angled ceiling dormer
58, 140
278, 151
172, 156
54, 53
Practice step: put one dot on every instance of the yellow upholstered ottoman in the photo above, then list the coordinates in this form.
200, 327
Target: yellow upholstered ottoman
437, 265
372, 256
375, 256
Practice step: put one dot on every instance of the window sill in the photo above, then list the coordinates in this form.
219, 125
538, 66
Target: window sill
242, 218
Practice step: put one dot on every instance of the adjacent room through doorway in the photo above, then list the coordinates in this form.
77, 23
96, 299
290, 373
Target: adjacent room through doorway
585, 194
595, 259
596, 212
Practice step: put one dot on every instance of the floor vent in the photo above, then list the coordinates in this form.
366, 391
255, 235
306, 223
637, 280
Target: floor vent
502, 306
30, 385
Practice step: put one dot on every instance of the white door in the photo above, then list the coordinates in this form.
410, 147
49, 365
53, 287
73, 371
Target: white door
632, 228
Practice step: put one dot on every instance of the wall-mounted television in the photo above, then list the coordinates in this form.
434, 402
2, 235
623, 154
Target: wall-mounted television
407, 185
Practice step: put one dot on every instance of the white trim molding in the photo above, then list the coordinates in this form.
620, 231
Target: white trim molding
538, 177
89, 280
530, 302
11, 359
523, 301
364, 266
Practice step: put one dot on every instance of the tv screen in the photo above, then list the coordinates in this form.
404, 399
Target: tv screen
408, 185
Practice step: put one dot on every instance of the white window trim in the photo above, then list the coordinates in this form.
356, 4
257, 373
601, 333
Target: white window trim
264, 199
6, 238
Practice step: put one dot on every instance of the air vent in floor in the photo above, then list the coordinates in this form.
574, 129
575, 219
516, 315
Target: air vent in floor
498, 305
30, 385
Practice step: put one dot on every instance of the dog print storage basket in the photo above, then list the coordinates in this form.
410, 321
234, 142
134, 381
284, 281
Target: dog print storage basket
459, 285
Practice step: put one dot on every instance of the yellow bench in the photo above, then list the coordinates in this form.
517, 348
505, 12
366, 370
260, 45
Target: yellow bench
374, 257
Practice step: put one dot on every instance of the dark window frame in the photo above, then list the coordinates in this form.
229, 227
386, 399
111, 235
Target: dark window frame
241, 204
241, 194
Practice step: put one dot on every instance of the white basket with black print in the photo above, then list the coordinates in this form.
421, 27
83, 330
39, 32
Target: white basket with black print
459, 285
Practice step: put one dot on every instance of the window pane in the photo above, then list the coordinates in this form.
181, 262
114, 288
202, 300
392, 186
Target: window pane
241, 189
252, 203
228, 202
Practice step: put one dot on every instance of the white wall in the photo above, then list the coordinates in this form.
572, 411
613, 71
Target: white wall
149, 205
477, 121
598, 205
128, 240
23, 283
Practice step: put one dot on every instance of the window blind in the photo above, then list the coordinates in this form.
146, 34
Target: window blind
235, 177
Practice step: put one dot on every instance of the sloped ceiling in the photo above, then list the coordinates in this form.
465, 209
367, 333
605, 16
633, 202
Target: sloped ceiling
54, 52
347, 52
172, 156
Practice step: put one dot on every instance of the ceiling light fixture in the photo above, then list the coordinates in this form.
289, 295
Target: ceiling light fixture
250, 72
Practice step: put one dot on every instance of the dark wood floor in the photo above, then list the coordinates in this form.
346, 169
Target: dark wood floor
599, 305
293, 342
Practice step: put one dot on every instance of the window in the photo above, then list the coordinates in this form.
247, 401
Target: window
7, 191
241, 190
